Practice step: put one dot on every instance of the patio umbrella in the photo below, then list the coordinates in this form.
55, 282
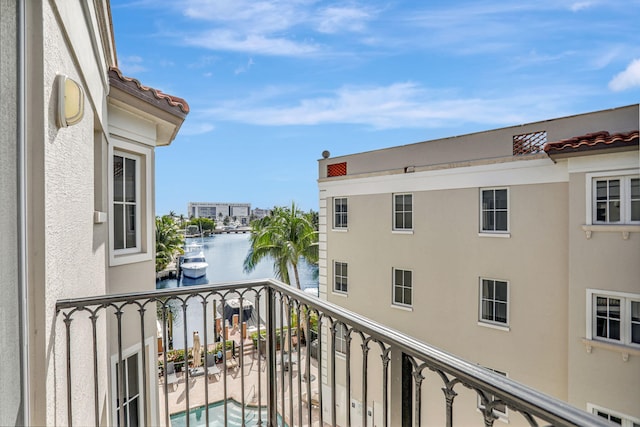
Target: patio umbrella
286, 341
197, 350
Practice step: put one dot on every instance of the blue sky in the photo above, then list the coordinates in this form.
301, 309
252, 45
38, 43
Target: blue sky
271, 83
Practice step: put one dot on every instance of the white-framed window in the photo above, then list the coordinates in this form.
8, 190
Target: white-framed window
126, 202
132, 405
494, 302
614, 198
402, 287
130, 228
403, 212
613, 416
494, 210
500, 410
613, 317
340, 212
340, 341
340, 277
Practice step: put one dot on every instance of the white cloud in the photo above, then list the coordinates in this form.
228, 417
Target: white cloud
131, 65
340, 19
581, 5
270, 27
193, 127
399, 105
250, 43
628, 78
244, 68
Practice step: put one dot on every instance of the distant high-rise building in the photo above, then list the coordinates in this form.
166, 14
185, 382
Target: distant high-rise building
218, 211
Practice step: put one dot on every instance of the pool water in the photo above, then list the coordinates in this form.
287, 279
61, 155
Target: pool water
198, 416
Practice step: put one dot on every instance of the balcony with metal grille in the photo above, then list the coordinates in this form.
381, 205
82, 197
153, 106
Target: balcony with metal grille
268, 354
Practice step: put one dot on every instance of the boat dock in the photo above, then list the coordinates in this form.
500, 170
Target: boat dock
171, 271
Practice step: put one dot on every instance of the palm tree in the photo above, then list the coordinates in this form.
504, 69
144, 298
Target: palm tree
286, 236
169, 241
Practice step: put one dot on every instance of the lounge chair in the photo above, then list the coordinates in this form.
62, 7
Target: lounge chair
315, 399
212, 368
232, 363
172, 378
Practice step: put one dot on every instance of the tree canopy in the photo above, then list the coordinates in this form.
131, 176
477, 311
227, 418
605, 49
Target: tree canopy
169, 241
286, 236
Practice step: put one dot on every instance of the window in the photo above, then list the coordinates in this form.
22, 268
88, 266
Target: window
130, 191
402, 288
494, 301
340, 212
126, 202
340, 277
340, 341
500, 410
131, 405
616, 200
615, 317
494, 210
614, 417
403, 212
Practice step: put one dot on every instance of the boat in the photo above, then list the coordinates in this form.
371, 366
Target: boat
194, 265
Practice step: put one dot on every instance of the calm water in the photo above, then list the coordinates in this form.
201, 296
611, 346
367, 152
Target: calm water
225, 254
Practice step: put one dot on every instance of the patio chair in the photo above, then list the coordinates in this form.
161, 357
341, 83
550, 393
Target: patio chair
315, 399
232, 363
172, 378
212, 368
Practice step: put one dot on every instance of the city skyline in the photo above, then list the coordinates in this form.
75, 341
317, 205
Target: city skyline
272, 84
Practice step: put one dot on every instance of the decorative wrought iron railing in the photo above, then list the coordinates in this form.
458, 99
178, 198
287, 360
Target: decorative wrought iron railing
300, 364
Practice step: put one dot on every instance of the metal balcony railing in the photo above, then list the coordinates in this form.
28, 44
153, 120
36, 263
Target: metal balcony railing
292, 358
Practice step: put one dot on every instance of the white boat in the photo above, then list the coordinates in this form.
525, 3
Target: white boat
194, 265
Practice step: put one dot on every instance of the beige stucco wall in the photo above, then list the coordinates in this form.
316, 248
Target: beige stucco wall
547, 259
606, 262
447, 257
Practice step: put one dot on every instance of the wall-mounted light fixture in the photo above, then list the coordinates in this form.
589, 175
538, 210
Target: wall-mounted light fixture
70, 101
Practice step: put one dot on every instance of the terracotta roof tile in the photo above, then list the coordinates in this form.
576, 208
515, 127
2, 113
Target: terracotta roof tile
173, 102
592, 141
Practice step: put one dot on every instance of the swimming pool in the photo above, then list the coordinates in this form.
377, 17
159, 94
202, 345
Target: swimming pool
198, 416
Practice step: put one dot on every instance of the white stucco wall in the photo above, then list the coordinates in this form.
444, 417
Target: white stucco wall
10, 385
73, 259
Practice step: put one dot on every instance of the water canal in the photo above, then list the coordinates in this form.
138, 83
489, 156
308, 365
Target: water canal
225, 254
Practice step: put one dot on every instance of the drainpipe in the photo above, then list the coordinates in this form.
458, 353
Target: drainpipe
22, 211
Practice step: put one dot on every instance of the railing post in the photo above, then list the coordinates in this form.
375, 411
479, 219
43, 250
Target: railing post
401, 400
407, 386
272, 410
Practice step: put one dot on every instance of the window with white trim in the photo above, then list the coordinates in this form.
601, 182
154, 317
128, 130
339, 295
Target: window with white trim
494, 210
132, 404
130, 191
615, 317
494, 301
616, 199
402, 287
340, 279
402, 211
340, 211
613, 416
340, 341
126, 202
500, 409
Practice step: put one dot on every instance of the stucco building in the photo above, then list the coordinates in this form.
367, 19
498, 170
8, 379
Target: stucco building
78, 142
515, 248
218, 211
